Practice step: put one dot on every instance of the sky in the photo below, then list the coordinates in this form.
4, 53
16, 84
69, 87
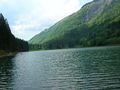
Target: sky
29, 17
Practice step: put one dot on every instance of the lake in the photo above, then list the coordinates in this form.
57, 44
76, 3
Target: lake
67, 69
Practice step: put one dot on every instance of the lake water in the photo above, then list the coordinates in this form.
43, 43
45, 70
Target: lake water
67, 69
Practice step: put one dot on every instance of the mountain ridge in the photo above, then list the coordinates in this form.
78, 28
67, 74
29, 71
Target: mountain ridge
98, 13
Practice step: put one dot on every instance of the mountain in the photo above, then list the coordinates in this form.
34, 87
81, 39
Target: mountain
96, 23
8, 42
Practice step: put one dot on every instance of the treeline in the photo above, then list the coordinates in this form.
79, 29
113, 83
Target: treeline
96, 24
84, 36
35, 47
7, 40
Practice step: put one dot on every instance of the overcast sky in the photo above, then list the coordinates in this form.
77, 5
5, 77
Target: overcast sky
29, 17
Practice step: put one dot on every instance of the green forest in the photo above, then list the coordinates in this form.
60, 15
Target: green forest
96, 24
8, 42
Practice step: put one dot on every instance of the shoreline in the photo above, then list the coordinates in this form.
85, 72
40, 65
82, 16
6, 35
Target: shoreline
4, 54
73, 48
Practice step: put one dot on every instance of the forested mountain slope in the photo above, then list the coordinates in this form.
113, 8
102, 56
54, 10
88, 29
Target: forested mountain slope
96, 23
8, 42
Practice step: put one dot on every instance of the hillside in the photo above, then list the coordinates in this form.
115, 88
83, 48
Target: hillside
96, 23
8, 42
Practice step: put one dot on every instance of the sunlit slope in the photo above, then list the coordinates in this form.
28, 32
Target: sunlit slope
96, 23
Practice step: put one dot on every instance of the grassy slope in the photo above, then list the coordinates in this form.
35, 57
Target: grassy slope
94, 14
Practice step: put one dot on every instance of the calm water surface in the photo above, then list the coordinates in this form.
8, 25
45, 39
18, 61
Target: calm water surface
68, 69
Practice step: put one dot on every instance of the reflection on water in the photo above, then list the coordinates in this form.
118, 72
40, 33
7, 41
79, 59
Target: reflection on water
6, 66
68, 69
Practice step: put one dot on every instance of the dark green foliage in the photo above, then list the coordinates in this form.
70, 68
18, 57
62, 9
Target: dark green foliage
7, 40
96, 24
35, 46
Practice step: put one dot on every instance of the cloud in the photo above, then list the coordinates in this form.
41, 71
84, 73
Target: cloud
28, 17
6, 1
59, 9
20, 29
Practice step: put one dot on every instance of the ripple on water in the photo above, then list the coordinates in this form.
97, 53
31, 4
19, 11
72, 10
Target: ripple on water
68, 69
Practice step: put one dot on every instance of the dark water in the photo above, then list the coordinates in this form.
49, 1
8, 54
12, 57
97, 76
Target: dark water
70, 69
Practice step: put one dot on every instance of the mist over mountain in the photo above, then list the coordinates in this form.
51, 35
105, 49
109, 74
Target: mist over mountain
96, 23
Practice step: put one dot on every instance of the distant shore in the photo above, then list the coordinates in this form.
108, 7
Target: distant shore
73, 47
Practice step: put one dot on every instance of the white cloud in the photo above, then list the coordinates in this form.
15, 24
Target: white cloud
42, 14
37, 15
20, 29
5, 3
59, 9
